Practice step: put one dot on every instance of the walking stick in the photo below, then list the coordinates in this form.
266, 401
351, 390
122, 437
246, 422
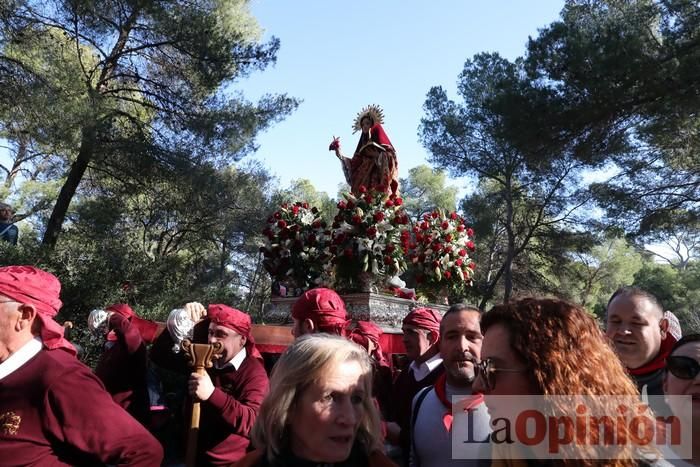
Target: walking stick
199, 356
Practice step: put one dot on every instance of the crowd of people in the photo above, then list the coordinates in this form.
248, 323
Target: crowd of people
334, 397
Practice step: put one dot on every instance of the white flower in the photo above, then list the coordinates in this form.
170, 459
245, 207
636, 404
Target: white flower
307, 218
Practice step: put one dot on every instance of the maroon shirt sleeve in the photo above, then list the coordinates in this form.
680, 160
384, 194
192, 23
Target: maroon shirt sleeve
241, 412
127, 333
80, 413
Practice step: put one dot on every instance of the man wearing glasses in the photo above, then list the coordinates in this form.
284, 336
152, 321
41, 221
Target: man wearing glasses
432, 416
53, 410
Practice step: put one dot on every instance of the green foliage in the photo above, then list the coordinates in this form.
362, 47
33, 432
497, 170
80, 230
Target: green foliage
678, 291
302, 190
128, 84
425, 190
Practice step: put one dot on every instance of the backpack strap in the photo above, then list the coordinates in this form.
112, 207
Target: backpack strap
414, 417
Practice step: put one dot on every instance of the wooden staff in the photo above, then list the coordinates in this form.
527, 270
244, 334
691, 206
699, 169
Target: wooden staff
200, 358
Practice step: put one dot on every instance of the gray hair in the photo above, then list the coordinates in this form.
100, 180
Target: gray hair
305, 362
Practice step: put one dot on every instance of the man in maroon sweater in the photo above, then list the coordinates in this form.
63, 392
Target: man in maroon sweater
123, 365
53, 410
231, 391
421, 333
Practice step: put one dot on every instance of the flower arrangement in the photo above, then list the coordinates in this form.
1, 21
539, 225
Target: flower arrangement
369, 239
296, 248
440, 253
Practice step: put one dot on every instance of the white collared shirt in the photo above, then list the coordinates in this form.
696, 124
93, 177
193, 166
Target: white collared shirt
236, 361
424, 369
25, 353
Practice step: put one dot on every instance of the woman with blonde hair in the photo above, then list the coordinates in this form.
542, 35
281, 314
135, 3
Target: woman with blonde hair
319, 409
551, 352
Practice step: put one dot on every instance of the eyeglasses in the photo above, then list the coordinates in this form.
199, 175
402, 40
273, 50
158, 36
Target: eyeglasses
683, 367
486, 370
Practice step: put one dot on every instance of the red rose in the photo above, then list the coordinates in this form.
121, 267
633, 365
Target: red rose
388, 260
369, 199
281, 224
371, 232
419, 237
470, 245
295, 209
316, 224
436, 264
447, 274
277, 215
460, 228
453, 215
434, 214
448, 248
471, 266
398, 202
458, 262
378, 216
389, 203
448, 237
462, 252
390, 248
305, 205
445, 225
342, 204
470, 232
425, 226
363, 189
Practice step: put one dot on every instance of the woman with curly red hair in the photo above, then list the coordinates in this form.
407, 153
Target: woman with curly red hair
549, 347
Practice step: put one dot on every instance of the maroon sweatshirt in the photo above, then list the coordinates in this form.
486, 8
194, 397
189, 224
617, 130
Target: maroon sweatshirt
228, 415
55, 412
122, 368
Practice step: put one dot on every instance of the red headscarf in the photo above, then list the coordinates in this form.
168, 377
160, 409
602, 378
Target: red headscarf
235, 320
32, 286
325, 308
424, 318
146, 328
368, 331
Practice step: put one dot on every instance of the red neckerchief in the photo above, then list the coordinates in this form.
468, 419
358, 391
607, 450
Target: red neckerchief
468, 403
657, 362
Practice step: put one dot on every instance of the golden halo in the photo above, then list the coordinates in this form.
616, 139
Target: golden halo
372, 111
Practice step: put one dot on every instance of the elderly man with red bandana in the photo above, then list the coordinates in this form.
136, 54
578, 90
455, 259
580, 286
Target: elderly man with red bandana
421, 334
231, 391
53, 410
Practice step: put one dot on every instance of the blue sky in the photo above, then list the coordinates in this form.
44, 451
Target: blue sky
340, 56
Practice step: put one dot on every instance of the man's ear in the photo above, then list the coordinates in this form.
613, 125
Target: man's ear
244, 341
27, 316
308, 326
663, 325
432, 337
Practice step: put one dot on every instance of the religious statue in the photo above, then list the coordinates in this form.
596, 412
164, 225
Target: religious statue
374, 164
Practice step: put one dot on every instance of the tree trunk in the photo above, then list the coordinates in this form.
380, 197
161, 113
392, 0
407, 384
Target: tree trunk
75, 175
510, 253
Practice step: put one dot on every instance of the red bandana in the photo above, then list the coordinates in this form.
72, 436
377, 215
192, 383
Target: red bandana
30, 285
325, 308
424, 318
235, 320
368, 331
468, 403
657, 362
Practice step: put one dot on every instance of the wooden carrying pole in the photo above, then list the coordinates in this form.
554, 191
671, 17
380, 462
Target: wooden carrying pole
200, 358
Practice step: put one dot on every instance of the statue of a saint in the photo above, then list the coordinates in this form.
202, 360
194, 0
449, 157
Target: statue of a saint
374, 163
